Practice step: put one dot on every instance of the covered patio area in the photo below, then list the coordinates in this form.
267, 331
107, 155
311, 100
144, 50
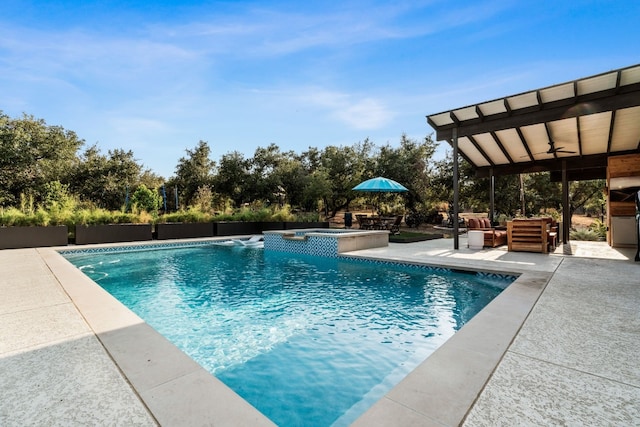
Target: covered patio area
571, 130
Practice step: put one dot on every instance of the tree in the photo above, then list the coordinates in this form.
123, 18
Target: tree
317, 187
584, 192
232, 178
291, 177
408, 165
264, 183
105, 180
346, 167
193, 171
33, 154
474, 192
150, 179
507, 195
317, 183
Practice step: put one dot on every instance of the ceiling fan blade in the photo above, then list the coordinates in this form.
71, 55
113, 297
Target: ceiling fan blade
535, 154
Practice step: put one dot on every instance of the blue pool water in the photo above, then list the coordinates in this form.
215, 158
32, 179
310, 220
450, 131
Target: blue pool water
308, 341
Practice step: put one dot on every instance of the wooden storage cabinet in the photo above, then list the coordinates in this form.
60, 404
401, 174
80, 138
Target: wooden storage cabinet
528, 235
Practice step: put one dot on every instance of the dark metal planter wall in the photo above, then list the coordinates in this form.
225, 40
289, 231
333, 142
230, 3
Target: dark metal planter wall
112, 233
33, 237
236, 228
184, 230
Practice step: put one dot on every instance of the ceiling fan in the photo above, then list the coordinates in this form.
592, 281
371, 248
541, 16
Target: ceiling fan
552, 150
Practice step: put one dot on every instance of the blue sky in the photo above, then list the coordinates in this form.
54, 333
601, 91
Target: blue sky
157, 77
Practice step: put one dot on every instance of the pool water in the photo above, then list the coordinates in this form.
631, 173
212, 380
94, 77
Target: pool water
307, 340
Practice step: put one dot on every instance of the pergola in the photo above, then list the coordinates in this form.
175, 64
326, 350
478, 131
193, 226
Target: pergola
569, 129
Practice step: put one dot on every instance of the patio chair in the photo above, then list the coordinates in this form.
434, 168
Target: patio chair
364, 223
395, 227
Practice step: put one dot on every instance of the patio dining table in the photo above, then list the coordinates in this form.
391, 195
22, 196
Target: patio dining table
375, 222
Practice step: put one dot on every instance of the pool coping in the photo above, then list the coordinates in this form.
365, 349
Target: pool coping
176, 390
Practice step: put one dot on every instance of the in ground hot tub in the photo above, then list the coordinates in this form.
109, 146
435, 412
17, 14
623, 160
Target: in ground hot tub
323, 241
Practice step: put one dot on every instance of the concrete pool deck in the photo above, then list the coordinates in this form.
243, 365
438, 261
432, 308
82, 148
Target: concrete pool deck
69, 356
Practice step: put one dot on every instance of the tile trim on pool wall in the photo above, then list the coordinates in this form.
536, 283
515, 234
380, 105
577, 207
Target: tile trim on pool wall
489, 274
139, 247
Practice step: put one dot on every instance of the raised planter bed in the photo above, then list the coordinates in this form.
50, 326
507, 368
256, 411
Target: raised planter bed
112, 233
33, 237
234, 228
30, 237
184, 230
269, 226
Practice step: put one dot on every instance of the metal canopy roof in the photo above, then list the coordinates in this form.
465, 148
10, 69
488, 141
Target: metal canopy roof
581, 122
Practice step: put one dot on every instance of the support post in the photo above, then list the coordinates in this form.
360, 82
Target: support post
456, 238
492, 193
566, 214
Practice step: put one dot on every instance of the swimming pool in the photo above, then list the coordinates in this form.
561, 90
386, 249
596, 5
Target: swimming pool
325, 337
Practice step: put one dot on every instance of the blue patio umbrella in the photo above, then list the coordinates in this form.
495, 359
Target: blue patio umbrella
380, 185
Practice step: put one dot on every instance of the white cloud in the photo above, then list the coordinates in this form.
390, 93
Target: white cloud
365, 114
355, 111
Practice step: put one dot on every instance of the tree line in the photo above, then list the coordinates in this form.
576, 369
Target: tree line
47, 164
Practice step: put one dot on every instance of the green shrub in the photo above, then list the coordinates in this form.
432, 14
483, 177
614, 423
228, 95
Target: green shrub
599, 228
203, 199
144, 199
283, 214
306, 217
73, 214
251, 215
585, 235
26, 204
193, 214
40, 218
502, 219
59, 215
14, 217
102, 217
11, 217
223, 217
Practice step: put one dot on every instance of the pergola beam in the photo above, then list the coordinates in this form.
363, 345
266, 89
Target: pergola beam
593, 105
